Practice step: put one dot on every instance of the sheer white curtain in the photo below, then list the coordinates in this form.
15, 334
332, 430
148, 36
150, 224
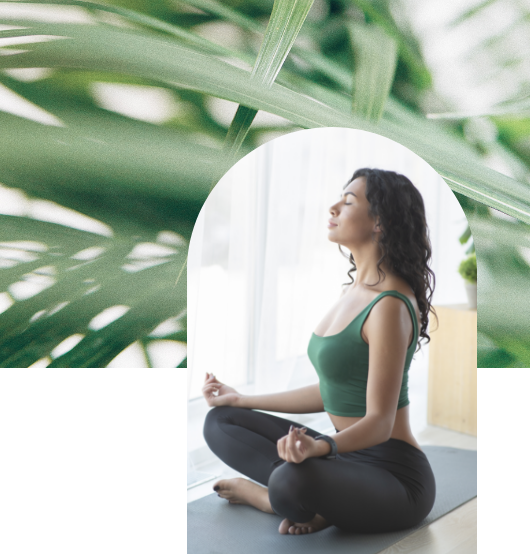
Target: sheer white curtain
261, 270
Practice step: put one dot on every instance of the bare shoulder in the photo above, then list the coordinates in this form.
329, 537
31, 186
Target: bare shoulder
401, 286
390, 308
390, 317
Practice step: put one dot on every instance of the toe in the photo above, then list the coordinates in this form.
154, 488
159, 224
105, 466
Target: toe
217, 486
284, 526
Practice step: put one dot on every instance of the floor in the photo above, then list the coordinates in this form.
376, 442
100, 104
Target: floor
454, 533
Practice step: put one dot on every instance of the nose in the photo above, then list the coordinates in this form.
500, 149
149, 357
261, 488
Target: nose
333, 210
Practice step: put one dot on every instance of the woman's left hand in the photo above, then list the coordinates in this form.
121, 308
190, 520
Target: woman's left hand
296, 446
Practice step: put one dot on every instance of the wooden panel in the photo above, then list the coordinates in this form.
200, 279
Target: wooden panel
453, 369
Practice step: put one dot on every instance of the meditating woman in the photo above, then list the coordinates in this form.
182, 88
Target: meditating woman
371, 475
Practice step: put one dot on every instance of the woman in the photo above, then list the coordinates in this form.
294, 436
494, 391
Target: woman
371, 475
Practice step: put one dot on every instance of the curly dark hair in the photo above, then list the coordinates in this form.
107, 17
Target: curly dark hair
404, 238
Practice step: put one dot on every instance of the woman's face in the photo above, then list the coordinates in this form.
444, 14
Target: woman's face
350, 222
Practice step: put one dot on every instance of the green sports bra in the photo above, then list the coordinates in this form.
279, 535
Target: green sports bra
341, 362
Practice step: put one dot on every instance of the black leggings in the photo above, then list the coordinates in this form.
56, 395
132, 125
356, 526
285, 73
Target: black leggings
383, 488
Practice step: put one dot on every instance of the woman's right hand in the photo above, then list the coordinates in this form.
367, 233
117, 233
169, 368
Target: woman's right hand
227, 396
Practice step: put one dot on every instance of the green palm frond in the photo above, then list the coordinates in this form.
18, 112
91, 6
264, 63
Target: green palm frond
143, 180
375, 65
176, 65
284, 25
77, 275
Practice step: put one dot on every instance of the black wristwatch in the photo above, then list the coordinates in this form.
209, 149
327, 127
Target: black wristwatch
333, 453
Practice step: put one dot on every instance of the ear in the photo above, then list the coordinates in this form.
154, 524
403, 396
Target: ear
377, 226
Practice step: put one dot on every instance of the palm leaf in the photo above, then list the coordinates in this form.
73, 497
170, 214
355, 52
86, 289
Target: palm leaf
518, 108
141, 179
284, 25
175, 65
113, 271
375, 65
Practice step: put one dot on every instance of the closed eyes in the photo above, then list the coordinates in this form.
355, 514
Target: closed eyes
343, 197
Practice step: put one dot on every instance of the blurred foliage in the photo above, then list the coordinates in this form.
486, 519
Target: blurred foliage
468, 269
147, 181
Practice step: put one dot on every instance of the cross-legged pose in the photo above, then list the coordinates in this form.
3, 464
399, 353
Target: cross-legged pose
371, 475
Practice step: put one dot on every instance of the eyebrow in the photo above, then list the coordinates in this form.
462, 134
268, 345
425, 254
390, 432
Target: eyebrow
349, 193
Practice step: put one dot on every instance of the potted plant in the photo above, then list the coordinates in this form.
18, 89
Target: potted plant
468, 270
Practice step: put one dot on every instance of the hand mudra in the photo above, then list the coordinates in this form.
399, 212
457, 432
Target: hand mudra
217, 393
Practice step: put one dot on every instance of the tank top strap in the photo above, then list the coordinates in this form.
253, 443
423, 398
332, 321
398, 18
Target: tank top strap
408, 303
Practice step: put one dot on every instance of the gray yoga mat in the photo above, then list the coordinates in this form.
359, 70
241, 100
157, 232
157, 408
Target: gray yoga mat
217, 527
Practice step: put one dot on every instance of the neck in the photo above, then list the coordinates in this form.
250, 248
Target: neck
366, 258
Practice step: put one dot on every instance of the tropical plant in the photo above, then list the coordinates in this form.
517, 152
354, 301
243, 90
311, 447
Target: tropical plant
468, 269
354, 65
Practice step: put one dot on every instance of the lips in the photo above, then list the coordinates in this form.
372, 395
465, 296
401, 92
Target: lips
331, 223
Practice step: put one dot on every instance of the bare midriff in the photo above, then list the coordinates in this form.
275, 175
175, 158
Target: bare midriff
400, 431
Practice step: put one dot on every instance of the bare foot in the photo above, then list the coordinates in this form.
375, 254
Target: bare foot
316, 524
242, 491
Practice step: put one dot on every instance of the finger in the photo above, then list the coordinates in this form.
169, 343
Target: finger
283, 448
291, 438
294, 454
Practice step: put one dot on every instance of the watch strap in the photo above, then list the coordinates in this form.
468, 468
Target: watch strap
333, 452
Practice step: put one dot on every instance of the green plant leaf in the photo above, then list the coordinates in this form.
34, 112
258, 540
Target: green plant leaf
107, 48
117, 186
238, 130
466, 235
375, 64
379, 13
489, 355
226, 12
472, 12
149, 22
286, 20
84, 274
121, 172
518, 108
285, 23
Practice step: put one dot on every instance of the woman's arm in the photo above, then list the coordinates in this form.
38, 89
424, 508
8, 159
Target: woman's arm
306, 400
387, 329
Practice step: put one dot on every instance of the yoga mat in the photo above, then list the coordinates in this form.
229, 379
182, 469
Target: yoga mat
217, 527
